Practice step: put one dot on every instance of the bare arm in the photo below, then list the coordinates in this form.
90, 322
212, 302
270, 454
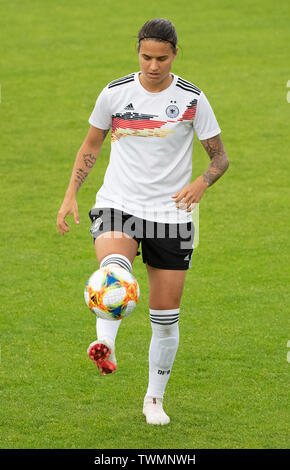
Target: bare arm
191, 194
84, 162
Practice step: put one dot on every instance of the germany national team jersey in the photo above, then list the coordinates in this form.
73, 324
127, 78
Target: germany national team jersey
151, 145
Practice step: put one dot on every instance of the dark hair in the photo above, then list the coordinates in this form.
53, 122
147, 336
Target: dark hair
159, 29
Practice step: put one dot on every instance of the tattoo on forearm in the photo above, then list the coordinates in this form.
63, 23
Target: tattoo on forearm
219, 160
80, 177
89, 160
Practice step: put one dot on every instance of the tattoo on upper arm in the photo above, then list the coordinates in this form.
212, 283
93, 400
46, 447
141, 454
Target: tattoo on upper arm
219, 159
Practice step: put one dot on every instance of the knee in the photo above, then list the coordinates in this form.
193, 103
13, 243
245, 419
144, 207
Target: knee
167, 303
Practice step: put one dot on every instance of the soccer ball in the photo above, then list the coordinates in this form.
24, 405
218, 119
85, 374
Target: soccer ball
112, 293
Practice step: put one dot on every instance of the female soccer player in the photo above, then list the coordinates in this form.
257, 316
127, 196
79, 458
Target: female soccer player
147, 197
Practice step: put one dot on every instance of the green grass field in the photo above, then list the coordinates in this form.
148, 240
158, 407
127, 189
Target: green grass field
229, 387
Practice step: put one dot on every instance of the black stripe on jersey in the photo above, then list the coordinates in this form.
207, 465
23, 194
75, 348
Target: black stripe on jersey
188, 85
122, 80
185, 82
122, 83
188, 89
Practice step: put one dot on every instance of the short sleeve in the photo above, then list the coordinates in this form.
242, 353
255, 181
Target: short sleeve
205, 123
101, 116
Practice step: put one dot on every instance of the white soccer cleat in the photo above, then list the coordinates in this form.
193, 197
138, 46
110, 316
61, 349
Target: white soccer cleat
102, 353
153, 410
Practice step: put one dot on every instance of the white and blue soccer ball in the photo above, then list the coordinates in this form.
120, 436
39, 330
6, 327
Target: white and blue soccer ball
112, 293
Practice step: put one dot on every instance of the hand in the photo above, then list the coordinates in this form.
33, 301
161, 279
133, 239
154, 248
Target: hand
190, 195
69, 206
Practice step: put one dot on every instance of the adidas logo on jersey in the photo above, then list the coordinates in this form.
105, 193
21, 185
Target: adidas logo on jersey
130, 106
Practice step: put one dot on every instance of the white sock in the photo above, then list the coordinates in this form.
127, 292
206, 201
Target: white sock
163, 348
107, 328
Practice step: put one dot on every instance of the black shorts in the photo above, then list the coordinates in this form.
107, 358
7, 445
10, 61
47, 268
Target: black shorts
164, 245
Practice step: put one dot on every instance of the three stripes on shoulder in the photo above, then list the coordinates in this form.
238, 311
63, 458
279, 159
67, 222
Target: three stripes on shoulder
121, 81
187, 86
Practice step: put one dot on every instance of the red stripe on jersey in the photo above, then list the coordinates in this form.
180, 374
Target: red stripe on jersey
189, 114
136, 124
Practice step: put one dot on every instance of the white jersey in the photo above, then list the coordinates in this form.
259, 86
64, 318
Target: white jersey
151, 145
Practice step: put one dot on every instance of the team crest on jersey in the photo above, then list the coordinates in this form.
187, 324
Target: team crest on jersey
172, 111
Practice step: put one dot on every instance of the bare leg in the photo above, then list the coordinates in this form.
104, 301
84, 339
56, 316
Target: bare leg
166, 287
115, 242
